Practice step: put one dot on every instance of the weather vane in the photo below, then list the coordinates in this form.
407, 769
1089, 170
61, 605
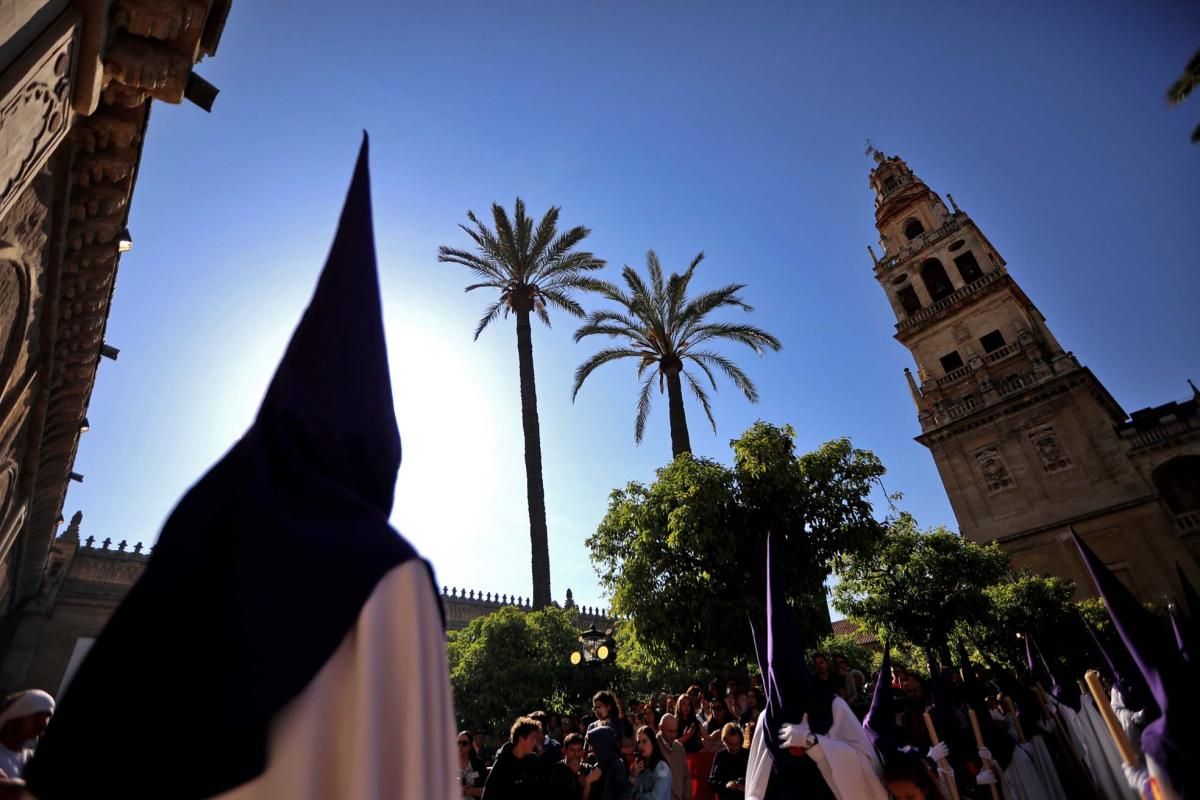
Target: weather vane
874, 152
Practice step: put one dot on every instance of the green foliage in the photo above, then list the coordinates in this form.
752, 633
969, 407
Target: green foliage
1031, 604
513, 662
859, 655
918, 587
665, 331
683, 557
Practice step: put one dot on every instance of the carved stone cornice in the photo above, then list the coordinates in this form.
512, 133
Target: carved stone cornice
147, 49
35, 107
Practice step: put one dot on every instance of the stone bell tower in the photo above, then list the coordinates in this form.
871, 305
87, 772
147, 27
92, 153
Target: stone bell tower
1025, 439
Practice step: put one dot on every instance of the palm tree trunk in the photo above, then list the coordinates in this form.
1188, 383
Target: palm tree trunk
535, 493
680, 443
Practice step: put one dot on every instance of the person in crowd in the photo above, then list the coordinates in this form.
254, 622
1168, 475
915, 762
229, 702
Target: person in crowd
756, 701
555, 731
908, 777
550, 750
518, 773
670, 704
471, 770
735, 698
651, 774
673, 754
612, 782
691, 732
569, 779
718, 718
822, 674
728, 776
692, 737
649, 718
899, 673
843, 682
23, 717
609, 713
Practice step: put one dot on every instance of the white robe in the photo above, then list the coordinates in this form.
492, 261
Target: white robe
1022, 781
377, 721
845, 757
1107, 759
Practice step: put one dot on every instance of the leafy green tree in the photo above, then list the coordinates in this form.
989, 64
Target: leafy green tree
683, 558
1184, 85
512, 662
665, 331
1040, 606
919, 587
533, 270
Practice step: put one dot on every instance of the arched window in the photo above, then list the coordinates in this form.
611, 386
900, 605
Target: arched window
909, 300
1178, 481
913, 228
937, 282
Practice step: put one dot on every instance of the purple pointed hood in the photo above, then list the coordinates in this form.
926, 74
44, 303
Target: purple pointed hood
1165, 739
880, 721
1127, 678
262, 568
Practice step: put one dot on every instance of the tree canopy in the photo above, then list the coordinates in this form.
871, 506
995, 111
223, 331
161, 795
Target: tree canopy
919, 587
684, 556
513, 662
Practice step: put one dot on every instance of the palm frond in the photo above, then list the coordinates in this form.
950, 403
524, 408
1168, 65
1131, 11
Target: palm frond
590, 328
492, 312
485, 240
560, 299
488, 285
753, 337
482, 265
698, 390
731, 370
678, 284
598, 360
654, 266
1186, 83
545, 232
507, 239
709, 302
645, 398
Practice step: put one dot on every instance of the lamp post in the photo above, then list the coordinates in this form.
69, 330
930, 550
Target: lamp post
595, 647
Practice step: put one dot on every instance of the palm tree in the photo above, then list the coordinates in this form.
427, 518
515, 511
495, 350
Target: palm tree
533, 270
665, 331
1184, 85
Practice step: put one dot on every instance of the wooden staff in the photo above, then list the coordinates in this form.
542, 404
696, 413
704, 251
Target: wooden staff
1128, 753
987, 763
1011, 708
1083, 687
943, 764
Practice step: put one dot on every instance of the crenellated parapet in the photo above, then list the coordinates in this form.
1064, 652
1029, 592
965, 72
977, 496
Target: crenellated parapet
464, 605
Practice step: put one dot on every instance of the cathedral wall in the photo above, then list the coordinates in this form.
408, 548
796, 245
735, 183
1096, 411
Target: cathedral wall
1137, 543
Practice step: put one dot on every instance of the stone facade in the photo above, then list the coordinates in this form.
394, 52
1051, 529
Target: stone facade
77, 78
1026, 440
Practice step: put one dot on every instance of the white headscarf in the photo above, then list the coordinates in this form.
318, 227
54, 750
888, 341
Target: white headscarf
26, 704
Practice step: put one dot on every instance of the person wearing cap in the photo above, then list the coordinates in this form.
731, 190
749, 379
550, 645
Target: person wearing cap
23, 717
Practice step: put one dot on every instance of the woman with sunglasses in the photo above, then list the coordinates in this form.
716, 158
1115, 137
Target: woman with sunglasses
471, 770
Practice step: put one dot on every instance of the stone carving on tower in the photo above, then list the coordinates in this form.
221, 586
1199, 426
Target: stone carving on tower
1026, 440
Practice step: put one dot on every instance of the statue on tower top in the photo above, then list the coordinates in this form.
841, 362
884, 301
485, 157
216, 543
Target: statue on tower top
875, 152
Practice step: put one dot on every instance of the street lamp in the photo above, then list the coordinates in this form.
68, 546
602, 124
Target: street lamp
594, 647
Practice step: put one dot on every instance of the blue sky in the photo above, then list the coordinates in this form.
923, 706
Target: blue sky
736, 129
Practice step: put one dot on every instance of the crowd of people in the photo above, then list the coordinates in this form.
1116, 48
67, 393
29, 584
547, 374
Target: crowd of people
697, 745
